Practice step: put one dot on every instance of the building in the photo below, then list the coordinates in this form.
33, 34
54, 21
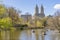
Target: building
26, 18
39, 14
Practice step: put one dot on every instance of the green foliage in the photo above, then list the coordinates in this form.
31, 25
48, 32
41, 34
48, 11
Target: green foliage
39, 23
5, 22
8, 22
2, 9
42, 22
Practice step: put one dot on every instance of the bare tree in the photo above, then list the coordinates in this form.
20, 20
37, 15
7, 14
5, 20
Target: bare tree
14, 15
54, 22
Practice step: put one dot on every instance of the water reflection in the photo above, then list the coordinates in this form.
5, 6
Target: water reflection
37, 35
29, 35
52, 35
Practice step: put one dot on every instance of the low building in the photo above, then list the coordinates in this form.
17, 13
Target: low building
26, 18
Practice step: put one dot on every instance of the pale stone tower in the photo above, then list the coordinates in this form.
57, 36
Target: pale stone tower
41, 14
36, 10
42, 11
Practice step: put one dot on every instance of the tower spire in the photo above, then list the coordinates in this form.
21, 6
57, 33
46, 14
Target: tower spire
42, 11
36, 10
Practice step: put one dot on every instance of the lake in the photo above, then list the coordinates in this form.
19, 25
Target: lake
36, 34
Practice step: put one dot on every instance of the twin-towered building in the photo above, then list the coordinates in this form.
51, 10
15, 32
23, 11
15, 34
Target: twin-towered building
37, 14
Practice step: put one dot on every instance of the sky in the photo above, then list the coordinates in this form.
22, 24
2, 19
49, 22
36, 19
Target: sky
50, 6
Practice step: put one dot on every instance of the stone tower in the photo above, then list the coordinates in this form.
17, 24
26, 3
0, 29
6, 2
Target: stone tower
42, 11
36, 10
41, 14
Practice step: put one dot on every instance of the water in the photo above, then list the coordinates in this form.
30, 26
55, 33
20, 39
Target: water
29, 35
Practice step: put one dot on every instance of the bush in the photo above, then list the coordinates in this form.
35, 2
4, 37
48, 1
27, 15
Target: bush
5, 22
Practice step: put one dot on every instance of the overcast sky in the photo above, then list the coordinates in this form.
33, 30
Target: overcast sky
50, 6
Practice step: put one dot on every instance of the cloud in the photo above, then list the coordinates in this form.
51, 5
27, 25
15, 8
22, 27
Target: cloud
57, 6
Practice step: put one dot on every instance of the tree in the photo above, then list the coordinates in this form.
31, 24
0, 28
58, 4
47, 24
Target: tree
54, 22
42, 22
5, 22
39, 24
13, 14
2, 11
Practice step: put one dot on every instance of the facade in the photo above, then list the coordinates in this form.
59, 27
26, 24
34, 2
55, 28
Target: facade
26, 18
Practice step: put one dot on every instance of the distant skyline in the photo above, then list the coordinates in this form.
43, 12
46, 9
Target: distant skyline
29, 5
